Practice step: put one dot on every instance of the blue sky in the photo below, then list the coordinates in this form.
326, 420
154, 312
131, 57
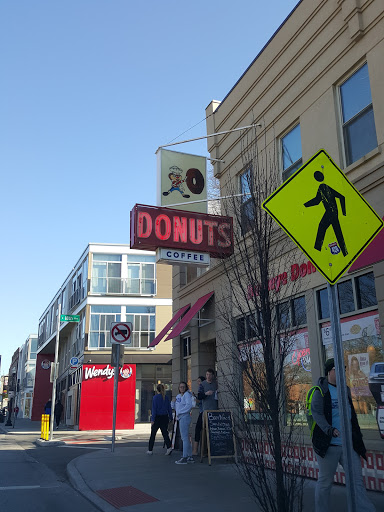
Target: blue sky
89, 89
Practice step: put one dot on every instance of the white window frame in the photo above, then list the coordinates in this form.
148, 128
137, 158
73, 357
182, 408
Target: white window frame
343, 124
298, 162
141, 279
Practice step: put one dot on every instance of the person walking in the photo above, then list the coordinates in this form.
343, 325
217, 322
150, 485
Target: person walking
58, 412
183, 408
48, 407
161, 415
199, 422
327, 442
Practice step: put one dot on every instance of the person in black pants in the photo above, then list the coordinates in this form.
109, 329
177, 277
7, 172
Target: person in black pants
199, 422
161, 415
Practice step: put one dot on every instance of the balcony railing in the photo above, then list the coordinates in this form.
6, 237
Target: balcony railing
123, 286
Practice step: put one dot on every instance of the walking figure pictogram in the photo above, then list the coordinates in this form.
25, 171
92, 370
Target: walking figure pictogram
327, 196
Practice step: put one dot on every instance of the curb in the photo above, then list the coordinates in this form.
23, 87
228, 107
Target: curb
77, 481
42, 442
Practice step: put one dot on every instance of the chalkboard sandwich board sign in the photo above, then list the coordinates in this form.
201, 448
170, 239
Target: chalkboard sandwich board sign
218, 434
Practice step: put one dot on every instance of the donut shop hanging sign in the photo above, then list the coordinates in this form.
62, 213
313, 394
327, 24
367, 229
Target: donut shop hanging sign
153, 227
182, 180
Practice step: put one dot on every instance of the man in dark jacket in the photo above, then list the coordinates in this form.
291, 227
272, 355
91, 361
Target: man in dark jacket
58, 412
327, 442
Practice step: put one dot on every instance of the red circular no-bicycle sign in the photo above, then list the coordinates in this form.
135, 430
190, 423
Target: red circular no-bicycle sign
121, 332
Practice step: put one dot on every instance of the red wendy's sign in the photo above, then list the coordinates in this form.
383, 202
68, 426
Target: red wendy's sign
153, 227
96, 406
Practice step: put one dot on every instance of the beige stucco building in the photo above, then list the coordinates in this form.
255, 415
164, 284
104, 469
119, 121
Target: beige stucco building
317, 84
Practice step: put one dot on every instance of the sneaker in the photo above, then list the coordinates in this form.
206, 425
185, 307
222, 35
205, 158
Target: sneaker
149, 452
190, 460
183, 460
169, 451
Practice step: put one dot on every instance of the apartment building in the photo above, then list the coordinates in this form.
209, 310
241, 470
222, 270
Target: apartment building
316, 84
109, 283
26, 376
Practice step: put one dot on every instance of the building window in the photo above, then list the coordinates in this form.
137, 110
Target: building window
141, 279
100, 327
247, 206
291, 313
353, 294
366, 293
346, 298
143, 320
247, 328
187, 353
291, 152
358, 121
106, 273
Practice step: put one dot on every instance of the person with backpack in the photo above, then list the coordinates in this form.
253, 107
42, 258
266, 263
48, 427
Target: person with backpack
323, 407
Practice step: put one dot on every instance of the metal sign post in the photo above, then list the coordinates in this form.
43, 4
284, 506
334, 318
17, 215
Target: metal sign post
53, 400
115, 396
120, 334
342, 395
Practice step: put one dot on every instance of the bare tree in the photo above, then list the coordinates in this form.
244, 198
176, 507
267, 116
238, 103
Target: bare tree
258, 334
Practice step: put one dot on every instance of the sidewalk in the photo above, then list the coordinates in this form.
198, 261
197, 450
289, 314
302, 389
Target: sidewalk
128, 477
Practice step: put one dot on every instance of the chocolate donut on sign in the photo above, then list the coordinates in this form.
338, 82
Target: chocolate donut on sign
195, 181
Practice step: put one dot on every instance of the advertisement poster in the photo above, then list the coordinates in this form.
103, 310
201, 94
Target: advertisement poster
358, 373
353, 328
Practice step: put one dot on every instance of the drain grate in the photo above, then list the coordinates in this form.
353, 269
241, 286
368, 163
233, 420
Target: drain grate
125, 496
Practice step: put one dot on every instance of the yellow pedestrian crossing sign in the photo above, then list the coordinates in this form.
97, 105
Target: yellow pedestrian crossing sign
325, 215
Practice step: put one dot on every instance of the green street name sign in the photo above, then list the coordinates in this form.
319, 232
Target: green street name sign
69, 318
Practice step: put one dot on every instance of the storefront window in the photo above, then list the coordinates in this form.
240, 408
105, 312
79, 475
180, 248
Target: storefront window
297, 375
147, 378
362, 348
361, 339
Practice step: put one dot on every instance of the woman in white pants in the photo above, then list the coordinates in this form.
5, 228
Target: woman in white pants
183, 408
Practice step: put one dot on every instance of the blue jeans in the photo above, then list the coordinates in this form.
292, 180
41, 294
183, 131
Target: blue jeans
184, 423
328, 466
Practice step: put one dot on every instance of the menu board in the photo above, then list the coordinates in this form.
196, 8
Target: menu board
218, 428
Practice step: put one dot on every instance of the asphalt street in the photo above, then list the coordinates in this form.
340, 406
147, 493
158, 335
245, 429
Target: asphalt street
35, 478
28, 483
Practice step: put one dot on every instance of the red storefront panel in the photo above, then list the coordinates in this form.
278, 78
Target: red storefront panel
96, 406
42, 391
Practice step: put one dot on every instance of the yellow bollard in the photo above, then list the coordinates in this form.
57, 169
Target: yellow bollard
47, 418
44, 427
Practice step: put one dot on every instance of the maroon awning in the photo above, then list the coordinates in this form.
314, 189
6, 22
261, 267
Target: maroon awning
172, 322
188, 316
372, 254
